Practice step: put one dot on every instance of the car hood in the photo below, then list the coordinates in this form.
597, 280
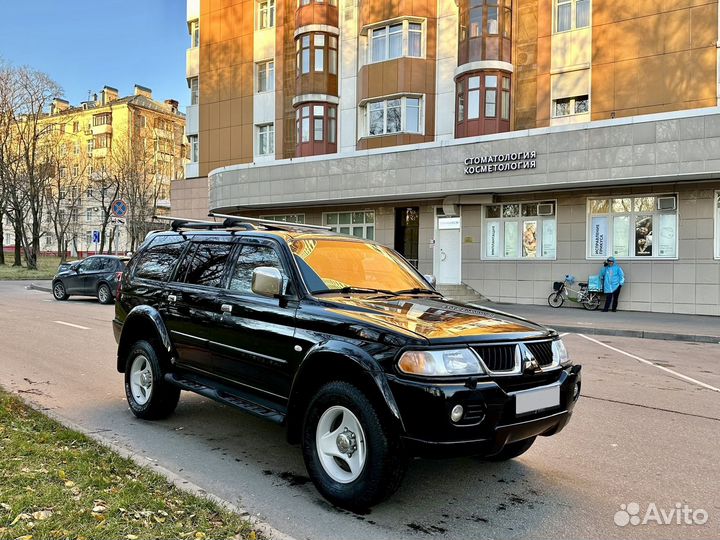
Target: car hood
437, 319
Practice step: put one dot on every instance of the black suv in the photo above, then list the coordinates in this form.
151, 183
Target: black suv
95, 276
341, 341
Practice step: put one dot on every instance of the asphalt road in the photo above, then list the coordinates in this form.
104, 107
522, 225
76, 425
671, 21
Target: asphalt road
639, 434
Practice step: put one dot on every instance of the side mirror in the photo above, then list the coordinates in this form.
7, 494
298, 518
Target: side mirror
430, 279
267, 281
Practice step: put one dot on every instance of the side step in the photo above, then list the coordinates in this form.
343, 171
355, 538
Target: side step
232, 397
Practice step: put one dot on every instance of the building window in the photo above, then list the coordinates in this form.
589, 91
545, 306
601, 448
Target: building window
286, 218
194, 84
76, 171
266, 140
478, 95
490, 96
103, 140
89, 214
520, 230
571, 14
360, 224
266, 76
102, 119
316, 123
317, 52
308, 2
76, 148
633, 227
402, 114
393, 41
505, 115
195, 33
194, 148
76, 127
266, 14
570, 106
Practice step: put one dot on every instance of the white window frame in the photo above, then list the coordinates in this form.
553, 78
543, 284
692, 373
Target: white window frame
632, 217
194, 27
365, 225
520, 220
403, 115
573, 15
266, 10
573, 100
716, 214
194, 143
268, 67
265, 130
194, 85
405, 52
286, 218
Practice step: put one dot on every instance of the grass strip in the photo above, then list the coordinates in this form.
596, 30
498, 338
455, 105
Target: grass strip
56, 483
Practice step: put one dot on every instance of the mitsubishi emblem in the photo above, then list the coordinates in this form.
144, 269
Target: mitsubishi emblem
525, 358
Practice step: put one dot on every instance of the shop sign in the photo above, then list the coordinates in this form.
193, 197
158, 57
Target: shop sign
513, 161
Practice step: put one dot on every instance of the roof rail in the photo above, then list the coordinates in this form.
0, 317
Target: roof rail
189, 223
283, 225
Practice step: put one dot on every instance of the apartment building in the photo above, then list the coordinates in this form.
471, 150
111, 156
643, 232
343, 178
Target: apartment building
96, 147
498, 144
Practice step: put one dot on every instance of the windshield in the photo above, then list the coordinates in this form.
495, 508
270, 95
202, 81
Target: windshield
339, 264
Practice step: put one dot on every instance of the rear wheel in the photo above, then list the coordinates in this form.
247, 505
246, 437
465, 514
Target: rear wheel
104, 294
148, 395
556, 299
592, 302
512, 450
353, 456
59, 292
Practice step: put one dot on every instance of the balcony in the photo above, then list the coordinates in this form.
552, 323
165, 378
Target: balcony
193, 10
192, 62
100, 152
102, 129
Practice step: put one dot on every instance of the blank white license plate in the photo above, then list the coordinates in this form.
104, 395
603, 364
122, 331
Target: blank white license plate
537, 399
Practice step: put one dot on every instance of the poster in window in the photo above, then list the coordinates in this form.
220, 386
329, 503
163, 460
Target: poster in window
529, 240
643, 236
511, 239
549, 237
667, 227
598, 236
621, 236
491, 238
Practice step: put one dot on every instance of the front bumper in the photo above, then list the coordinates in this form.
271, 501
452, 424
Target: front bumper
490, 421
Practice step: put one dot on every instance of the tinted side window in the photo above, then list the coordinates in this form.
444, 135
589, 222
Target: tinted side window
159, 259
250, 258
92, 264
109, 264
208, 264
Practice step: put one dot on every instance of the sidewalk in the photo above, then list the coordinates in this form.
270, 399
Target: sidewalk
637, 324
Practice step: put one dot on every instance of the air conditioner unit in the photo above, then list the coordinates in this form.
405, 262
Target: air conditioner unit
546, 209
666, 203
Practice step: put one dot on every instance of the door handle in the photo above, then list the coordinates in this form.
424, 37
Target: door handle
172, 298
226, 308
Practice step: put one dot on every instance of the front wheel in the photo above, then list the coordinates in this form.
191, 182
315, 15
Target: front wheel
104, 294
512, 450
353, 456
556, 299
59, 292
148, 395
592, 302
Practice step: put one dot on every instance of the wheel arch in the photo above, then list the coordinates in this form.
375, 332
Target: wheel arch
143, 322
337, 361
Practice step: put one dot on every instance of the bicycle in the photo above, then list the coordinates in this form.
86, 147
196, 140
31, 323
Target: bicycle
562, 289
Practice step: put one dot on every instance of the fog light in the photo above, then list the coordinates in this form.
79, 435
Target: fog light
576, 392
457, 413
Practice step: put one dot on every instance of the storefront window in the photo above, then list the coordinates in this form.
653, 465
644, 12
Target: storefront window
633, 227
286, 218
526, 230
360, 224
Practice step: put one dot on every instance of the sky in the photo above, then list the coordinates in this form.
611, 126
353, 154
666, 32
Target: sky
84, 45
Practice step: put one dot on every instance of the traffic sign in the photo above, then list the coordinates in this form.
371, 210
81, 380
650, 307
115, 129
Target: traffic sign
96, 237
117, 221
119, 208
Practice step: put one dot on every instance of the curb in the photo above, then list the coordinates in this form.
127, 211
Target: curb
36, 287
178, 481
642, 334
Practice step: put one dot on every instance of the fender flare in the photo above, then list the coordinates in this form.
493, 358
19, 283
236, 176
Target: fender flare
141, 321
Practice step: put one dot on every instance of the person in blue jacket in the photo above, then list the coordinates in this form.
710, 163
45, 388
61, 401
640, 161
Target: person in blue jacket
612, 278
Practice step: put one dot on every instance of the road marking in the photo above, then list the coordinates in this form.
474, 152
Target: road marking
649, 363
73, 325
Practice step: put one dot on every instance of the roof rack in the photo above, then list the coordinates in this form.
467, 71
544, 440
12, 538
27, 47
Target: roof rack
269, 223
188, 223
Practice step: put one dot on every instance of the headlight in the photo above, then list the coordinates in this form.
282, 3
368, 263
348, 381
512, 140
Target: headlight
440, 363
560, 354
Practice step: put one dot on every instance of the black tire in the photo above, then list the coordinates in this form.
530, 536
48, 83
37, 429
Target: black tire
512, 450
385, 461
592, 302
163, 397
59, 292
104, 294
556, 299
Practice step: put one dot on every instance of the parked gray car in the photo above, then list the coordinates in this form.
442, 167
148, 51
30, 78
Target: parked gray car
95, 276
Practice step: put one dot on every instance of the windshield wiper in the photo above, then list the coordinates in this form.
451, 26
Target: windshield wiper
348, 290
416, 290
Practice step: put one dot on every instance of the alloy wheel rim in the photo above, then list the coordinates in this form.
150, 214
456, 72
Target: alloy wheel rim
341, 445
103, 294
59, 290
141, 379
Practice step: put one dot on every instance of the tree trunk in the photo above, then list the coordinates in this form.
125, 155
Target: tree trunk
18, 247
2, 242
